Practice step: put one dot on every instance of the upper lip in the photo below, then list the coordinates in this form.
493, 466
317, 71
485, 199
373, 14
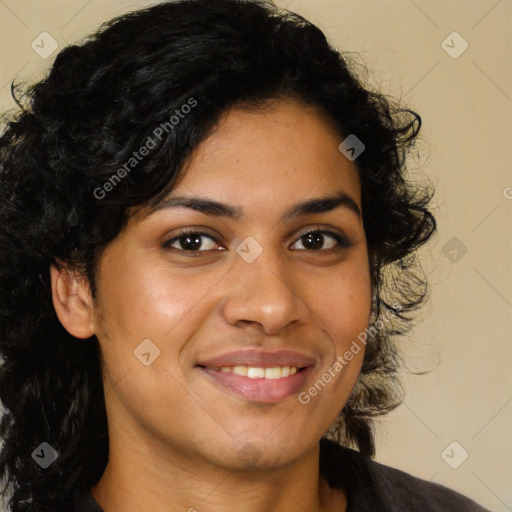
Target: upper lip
260, 359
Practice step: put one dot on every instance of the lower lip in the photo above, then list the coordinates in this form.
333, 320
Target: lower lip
260, 390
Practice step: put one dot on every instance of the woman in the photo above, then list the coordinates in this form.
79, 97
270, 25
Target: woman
207, 244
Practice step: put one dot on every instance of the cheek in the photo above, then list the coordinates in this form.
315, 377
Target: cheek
140, 301
147, 299
147, 309
342, 304
342, 301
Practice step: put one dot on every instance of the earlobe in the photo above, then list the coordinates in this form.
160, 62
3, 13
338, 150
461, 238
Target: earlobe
72, 302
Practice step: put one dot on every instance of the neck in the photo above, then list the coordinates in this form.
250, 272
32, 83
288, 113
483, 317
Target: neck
143, 477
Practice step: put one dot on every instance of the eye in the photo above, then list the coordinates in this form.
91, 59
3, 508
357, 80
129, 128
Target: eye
320, 240
193, 242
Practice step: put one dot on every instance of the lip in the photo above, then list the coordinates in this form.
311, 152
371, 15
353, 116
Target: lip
260, 359
259, 390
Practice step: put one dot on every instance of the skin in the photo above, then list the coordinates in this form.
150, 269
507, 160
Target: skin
177, 441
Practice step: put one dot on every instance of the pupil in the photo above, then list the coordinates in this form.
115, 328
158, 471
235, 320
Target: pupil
190, 243
313, 241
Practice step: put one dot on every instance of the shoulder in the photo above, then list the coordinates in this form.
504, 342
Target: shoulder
371, 484
405, 490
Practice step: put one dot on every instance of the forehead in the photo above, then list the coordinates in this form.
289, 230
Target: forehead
264, 161
285, 148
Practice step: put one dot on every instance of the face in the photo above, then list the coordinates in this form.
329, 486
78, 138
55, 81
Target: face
246, 284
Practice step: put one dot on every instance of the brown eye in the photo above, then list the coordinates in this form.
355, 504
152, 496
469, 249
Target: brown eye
193, 242
320, 241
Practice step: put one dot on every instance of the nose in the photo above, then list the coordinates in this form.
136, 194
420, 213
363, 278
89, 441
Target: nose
264, 294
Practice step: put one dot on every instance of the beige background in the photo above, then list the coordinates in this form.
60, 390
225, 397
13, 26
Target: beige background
465, 334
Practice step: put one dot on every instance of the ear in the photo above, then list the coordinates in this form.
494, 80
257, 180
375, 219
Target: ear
73, 302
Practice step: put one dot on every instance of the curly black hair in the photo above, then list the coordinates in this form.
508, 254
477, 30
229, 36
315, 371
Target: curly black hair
59, 154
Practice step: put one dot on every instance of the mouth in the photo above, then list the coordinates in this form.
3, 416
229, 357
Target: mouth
254, 372
256, 376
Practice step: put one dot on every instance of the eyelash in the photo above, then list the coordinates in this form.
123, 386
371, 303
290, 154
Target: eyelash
342, 241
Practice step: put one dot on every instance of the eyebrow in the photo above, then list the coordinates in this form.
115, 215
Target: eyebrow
217, 209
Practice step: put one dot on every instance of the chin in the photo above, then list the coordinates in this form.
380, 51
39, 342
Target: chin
268, 452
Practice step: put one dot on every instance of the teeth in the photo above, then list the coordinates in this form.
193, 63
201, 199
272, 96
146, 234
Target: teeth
261, 373
240, 370
255, 373
273, 373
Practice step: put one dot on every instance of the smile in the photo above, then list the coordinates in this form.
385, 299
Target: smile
257, 384
277, 372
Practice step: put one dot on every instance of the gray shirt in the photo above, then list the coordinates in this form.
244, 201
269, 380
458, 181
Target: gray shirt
370, 486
